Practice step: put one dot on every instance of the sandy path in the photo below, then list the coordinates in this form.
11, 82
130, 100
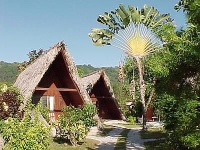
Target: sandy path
134, 142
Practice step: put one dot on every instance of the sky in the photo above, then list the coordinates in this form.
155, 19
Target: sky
27, 25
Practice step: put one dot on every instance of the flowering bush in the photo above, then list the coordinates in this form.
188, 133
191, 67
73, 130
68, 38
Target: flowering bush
10, 101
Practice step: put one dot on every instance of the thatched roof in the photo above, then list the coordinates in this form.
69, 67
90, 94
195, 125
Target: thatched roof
31, 76
91, 79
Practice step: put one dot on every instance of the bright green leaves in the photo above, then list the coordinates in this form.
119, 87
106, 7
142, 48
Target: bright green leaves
25, 134
156, 65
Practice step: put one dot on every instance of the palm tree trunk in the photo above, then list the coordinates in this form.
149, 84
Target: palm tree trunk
142, 91
132, 88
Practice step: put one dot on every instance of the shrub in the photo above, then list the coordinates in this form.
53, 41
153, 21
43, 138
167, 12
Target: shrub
88, 113
131, 119
181, 121
74, 123
26, 133
10, 101
44, 111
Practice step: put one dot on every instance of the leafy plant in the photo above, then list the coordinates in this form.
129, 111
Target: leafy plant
44, 111
74, 123
88, 113
25, 133
131, 119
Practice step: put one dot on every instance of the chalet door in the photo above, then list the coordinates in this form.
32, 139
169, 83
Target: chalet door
51, 101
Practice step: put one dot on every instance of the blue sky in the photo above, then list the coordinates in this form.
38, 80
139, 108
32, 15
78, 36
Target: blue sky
33, 24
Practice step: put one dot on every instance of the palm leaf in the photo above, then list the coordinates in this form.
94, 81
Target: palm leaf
101, 36
147, 12
123, 14
160, 19
134, 14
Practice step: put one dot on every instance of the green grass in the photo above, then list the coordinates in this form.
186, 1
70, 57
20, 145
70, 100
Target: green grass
129, 125
122, 139
154, 133
63, 145
156, 145
105, 131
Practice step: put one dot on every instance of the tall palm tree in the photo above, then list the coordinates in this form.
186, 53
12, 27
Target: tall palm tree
135, 32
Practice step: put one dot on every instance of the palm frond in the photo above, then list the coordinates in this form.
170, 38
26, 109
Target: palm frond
101, 37
132, 30
123, 14
135, 15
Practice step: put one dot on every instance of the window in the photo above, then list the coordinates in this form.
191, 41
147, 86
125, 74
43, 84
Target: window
48, 101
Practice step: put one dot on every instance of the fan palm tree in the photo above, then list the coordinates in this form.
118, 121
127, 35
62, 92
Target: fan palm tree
135, 32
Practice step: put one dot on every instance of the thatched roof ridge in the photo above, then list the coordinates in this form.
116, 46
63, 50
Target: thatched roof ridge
92, 78
31, 76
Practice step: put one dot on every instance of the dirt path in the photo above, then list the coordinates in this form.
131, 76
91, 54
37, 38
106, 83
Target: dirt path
1, 143
134, 142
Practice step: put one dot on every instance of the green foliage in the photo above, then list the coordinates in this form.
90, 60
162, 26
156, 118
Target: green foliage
44, 111
8, 72
190, 7
138, 109
88, 112
131, 119
10, 101
182, 118
74, 123
80, 72
122, 95
25, 134
112, 72
84, 114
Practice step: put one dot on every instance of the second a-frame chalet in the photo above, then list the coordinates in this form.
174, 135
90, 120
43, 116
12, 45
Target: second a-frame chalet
97, 85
